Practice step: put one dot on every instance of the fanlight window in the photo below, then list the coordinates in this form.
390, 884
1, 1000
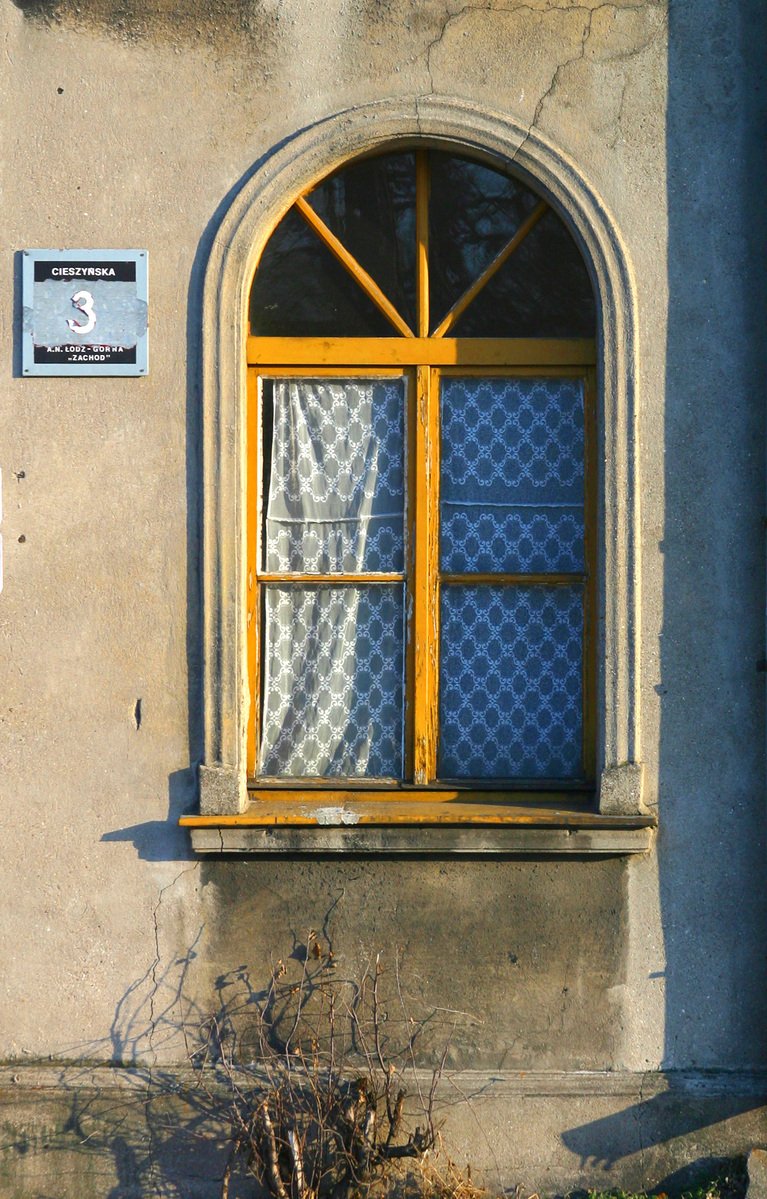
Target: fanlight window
422, 483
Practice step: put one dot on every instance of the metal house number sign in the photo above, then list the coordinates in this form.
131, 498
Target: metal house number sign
85, 312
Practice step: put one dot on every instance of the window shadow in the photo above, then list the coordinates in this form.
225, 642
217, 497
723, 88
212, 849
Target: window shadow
711, 841
686, 1109
711, 846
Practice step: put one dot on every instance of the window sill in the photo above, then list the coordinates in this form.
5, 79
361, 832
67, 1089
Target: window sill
342, 822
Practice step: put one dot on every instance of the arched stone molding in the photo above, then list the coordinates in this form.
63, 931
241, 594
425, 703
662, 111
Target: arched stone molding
262, 201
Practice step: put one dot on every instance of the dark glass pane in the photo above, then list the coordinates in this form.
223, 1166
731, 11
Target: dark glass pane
473, 212
301, 290
512, 463
542, 290
370, 206
510, 684
333, 681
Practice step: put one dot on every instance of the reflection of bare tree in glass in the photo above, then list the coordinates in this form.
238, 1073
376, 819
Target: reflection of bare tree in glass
370, 206
543, 290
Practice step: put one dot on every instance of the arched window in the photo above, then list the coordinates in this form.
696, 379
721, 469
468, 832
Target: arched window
422, 488
420, 546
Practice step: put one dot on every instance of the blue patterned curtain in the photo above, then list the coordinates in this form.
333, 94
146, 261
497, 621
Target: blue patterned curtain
512, 496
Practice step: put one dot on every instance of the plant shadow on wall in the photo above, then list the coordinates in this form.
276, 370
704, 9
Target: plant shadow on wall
305, 1087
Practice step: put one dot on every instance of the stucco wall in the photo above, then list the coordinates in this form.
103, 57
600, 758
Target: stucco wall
133, 125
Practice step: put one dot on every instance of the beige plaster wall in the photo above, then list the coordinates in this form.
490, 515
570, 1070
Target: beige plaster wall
130, 125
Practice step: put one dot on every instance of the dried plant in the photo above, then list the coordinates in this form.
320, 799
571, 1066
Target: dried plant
446, 1180
315, 1077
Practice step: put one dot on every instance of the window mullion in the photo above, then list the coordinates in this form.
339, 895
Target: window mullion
422, 240
425, 582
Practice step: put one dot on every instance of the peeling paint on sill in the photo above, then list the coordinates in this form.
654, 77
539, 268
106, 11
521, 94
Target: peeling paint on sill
331, 817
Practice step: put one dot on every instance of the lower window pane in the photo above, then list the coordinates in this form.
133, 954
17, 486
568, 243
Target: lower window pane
510, 693
333, 681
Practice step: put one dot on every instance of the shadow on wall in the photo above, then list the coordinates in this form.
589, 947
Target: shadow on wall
137, 1131
693, 1107
302, 1038
163, 840
711, 846
711, 843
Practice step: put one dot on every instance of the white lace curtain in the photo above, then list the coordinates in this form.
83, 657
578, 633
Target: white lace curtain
333, 655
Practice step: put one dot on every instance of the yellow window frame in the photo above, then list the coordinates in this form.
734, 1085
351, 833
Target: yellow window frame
423, 577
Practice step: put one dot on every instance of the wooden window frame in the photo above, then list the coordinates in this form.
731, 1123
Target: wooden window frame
424, 356
277, 358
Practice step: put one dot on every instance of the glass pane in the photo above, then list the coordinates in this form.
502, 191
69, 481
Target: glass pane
510, 691
301, 290
370, 206
512, 465
542, 290
473, 212
333, 681
335, 476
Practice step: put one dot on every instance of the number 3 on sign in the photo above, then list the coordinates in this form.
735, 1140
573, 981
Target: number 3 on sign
83, 302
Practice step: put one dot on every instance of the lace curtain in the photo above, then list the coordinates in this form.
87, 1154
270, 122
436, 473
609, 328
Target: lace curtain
334, 655
511, 656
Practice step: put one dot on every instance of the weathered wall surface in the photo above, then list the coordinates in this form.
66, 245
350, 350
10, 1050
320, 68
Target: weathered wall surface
132, 125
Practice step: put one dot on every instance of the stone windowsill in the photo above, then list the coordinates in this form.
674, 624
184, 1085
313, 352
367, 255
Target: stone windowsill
354, 822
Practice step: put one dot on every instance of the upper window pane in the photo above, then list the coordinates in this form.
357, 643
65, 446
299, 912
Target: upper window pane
370, 206
335, 474
473, 212
543, 290
300, 290
512, 475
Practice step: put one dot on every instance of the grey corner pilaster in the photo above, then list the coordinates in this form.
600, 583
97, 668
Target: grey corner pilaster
620, 790
223, 791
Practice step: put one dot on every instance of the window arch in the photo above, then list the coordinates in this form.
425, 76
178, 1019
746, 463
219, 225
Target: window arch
236, 251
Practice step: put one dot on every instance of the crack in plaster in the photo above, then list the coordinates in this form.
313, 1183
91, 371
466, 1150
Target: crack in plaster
590, 11
541, 10
154, 1178
158, 956
585, 35
618, 122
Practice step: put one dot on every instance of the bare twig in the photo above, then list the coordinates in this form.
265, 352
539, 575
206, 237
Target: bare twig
320, 1111
272, 1155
